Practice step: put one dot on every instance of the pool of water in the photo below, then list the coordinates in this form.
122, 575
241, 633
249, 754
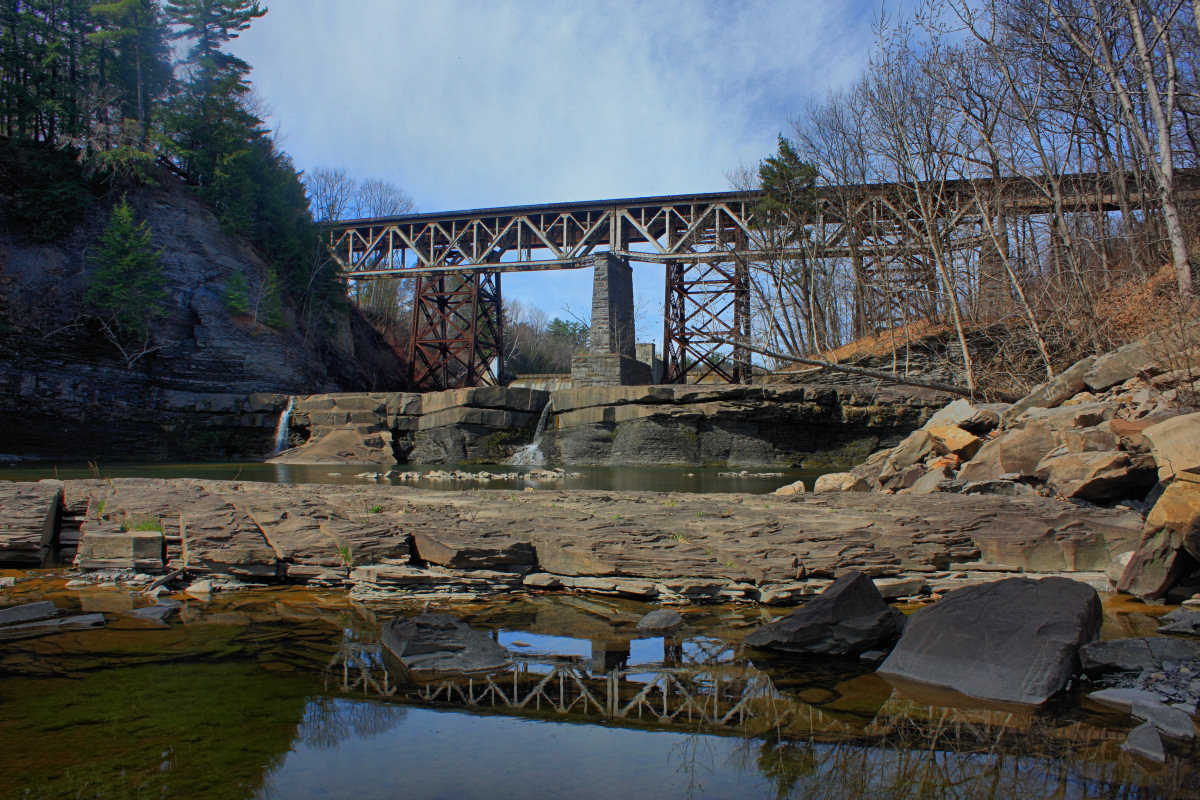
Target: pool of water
654, 479
283, 693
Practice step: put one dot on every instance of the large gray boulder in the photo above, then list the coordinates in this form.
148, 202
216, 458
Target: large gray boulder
1015, 640
440, 643
848, 618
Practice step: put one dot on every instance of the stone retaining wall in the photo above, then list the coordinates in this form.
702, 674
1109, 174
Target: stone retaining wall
817, 427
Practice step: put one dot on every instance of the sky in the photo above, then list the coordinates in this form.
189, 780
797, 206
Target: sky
473, 104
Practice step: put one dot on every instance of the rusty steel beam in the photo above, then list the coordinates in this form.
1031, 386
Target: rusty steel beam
707, 308
457, 331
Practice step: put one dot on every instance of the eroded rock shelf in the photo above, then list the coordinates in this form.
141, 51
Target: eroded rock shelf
397, 540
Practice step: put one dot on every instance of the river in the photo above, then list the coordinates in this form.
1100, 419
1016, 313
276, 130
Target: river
286, 693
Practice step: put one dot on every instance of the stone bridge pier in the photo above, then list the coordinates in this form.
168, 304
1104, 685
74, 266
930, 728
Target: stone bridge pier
611, 359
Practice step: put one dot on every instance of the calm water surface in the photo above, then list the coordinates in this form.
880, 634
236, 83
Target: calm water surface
650, 479
283, 693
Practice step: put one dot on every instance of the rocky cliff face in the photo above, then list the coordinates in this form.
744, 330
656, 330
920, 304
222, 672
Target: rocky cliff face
65, 392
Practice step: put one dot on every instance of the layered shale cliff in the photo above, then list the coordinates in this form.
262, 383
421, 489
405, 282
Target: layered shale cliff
67, 393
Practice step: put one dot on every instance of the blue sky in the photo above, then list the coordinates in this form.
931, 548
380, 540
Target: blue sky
469, 104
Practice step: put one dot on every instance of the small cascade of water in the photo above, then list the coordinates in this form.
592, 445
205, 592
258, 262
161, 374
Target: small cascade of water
531, 453
281, 429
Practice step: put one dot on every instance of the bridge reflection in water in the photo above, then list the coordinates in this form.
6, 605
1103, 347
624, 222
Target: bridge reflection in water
702, 684
811, 733
685, 693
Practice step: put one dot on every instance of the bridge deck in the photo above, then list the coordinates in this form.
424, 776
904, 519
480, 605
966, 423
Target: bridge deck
880, 219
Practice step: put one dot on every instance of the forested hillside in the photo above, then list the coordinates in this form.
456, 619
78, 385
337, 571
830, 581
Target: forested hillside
1042, 161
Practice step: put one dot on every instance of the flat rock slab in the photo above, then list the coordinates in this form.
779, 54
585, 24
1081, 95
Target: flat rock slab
333, 527
481, 549
1135, 655
106, 546
691, 545
211, 533
29, 519
1143, 741
45, 627
29, 612
1015, 640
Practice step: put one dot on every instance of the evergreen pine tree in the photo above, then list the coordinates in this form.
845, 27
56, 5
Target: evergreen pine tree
125, 290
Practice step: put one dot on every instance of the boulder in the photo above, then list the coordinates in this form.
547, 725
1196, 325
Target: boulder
932, 481
1016, 451
1003, 488
913, 449
1015, 640
841, 482
1117, 566
1135, 655
1095, 475
953, 440
1062, 387
1181, 620
661, 619
790, 489
1170, 543
1095, 438
440, 643
906, 478
1175, 444
1122, 364
848, 618
968, 416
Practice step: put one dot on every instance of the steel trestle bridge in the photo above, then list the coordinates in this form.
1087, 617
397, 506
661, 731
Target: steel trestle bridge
706, 242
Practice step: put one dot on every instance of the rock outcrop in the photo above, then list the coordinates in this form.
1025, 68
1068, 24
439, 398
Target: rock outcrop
1112, 429
65, 392
1015, 640
616, 425
400, 541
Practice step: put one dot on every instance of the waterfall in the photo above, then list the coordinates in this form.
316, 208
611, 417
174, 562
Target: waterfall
531, 453
281, 429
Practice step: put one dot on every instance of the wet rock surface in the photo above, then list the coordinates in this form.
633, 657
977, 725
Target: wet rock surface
1014, 640
850, 617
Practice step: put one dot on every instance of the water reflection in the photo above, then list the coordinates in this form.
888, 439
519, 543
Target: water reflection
654, 479
284, 693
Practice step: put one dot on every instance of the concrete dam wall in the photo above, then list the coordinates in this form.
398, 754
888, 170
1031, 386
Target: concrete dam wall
805, 426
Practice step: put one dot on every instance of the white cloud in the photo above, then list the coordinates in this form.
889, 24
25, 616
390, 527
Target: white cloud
471, 104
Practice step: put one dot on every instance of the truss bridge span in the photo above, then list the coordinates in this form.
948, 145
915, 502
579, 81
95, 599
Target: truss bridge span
707, 244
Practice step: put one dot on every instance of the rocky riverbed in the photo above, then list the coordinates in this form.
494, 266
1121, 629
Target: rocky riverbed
383, 540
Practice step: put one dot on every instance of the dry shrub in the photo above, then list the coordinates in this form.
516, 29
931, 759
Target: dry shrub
1136, 308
